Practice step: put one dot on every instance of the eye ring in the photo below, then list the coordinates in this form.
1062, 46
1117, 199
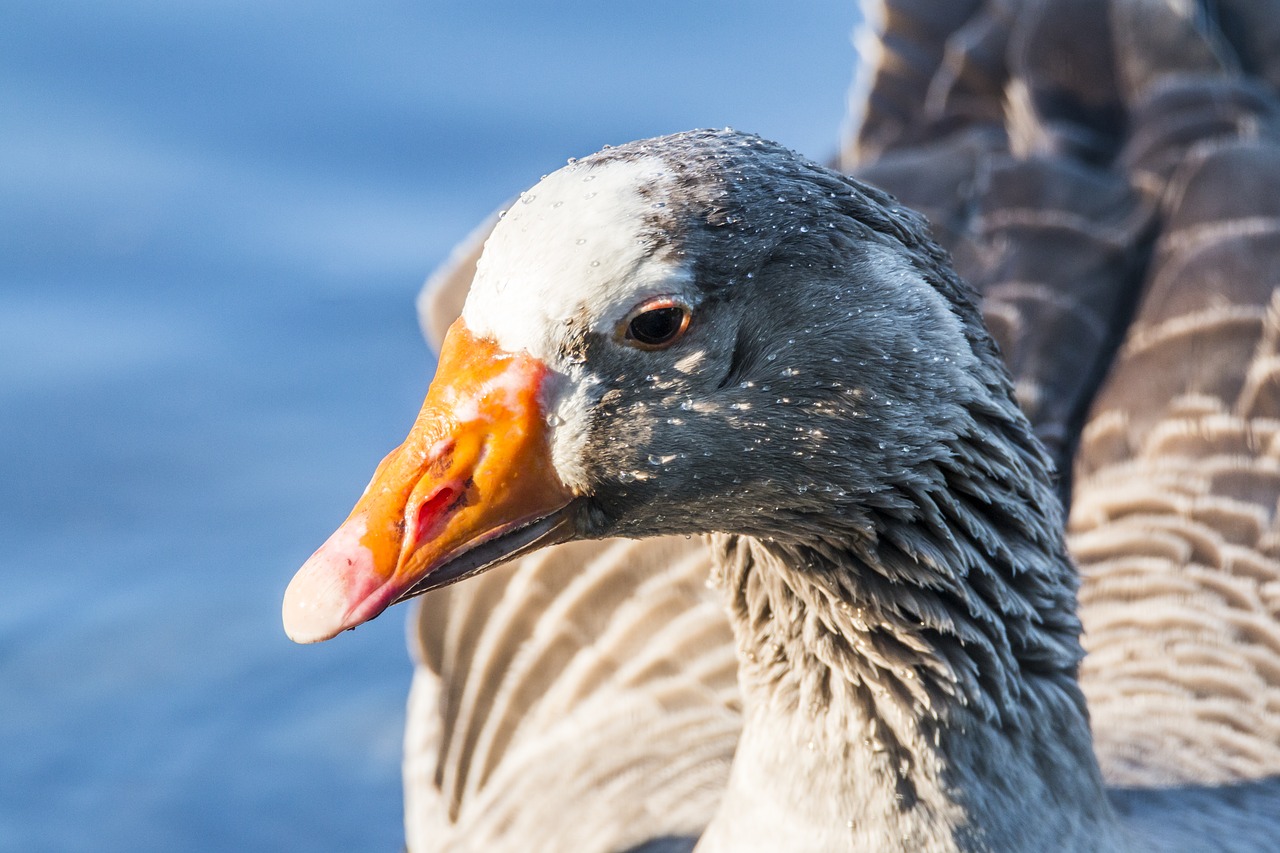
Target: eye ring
657, 323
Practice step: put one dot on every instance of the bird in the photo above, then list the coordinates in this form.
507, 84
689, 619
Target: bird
706, 335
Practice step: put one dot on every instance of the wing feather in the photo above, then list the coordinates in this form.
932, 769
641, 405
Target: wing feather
1174, 520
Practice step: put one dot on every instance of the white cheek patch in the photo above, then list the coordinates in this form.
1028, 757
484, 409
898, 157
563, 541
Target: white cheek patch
570, 420
574, 250
574, 247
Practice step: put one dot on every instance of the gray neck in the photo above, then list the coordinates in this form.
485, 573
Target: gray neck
910, 683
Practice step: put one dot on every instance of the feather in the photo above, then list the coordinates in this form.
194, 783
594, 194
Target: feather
1104, 175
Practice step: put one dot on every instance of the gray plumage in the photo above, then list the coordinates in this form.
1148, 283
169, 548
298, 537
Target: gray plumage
902, 608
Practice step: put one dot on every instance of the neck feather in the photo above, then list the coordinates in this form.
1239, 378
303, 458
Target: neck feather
910, 680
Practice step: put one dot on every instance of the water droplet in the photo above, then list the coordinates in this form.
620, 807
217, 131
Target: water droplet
580, 241
804, 229
773, 356
554, 420
595, 263
586, 178
527, 198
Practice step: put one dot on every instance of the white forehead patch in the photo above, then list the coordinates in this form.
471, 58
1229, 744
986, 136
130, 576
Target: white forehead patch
571, 246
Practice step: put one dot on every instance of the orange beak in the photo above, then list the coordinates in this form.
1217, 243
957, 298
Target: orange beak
472, 485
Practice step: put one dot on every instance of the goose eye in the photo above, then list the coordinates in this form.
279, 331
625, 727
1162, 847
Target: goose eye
658, 324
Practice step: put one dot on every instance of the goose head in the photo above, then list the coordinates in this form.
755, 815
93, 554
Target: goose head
698, 333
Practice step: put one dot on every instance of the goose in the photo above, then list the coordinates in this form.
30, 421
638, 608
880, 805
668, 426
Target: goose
752, 347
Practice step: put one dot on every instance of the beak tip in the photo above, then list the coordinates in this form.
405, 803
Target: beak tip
307, 617
325, 596
304, 621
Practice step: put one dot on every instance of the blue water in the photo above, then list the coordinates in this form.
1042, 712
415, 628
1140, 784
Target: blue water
214, 217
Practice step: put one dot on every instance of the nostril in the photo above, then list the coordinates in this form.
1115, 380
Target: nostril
435, 510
